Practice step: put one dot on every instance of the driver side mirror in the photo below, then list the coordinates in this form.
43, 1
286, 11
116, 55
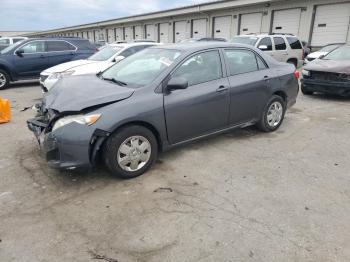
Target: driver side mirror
20, 52
118, 58
177, 83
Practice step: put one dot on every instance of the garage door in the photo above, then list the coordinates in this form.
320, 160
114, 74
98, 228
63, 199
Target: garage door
222, 27
250, 23
180, 31
164, 33
129, 33
111, 37
91, 36
85, 35
119, 35
286, 21
331, 24
199, 28
150, 32
138, 32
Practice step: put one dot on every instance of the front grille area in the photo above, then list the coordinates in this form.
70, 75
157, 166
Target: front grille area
327, 76
43, 78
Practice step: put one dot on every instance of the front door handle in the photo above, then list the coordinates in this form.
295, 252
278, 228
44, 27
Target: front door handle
266, 78
222, 88
42, 56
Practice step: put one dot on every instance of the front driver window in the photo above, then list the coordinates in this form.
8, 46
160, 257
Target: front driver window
34, 47
200, 68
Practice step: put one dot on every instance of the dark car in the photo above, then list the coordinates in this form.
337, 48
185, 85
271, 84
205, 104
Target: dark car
159, 98
330, 74
26, 59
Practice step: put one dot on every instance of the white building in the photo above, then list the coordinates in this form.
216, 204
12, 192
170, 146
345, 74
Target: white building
318, 22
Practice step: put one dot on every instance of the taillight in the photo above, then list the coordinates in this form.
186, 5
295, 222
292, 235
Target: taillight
296, 74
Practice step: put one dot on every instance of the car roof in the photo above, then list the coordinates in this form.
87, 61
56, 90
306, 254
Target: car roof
198, 46
133, 44
264, 35
59, 38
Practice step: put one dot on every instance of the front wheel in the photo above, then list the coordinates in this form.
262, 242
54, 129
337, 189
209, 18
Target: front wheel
4, 79
130, 151
273, 114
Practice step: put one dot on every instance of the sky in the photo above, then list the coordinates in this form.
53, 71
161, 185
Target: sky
35, 15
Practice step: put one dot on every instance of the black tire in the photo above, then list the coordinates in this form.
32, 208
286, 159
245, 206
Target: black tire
111, 150
263, 124
6, 77
305, 91
293, 62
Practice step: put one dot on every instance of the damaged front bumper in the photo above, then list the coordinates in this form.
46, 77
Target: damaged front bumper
70, 147
341, 88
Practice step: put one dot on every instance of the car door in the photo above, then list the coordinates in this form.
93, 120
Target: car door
265, 45
32, 59
280, 53
60, 51
202, 107
249, 79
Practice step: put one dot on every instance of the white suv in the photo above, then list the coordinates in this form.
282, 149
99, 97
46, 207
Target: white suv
7, 41
282, 47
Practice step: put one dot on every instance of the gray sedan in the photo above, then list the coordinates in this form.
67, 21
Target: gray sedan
160, 98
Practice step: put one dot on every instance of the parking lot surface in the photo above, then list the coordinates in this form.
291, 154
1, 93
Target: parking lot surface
241, 196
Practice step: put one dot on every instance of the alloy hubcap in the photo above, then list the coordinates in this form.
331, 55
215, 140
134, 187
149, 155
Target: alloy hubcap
134, 153
274, 114
2, 80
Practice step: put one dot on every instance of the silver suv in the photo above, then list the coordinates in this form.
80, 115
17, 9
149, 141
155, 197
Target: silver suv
282, 47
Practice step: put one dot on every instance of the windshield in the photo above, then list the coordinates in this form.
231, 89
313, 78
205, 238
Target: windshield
329, 48
141, 68
341, 53
105, 53
248, 40
5, 50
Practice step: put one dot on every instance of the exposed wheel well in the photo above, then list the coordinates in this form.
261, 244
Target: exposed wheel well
281, 94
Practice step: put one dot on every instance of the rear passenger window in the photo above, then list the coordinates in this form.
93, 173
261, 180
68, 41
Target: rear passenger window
241, 61
15, 40
200, 68
294, 43
267, 42
55, 46
280, 44
261, 63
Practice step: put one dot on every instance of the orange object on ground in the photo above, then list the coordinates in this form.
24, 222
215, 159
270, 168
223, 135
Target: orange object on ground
5, 111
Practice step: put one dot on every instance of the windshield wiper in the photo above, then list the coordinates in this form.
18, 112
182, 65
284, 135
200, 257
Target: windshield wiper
112, 79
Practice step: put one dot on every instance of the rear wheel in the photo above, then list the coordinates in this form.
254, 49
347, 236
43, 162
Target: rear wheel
273, 114
130, 151
305, 91
4, 79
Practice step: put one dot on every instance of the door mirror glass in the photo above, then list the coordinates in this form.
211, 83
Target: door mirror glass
263, 47
177, 83
20, 52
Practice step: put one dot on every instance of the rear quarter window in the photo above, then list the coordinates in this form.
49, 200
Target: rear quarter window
294, 43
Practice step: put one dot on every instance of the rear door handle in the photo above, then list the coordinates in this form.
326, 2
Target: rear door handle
266, 78
222, 88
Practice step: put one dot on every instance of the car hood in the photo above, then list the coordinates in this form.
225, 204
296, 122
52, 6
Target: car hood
76, 93
316, 54
66, 66
342, 67
92, 68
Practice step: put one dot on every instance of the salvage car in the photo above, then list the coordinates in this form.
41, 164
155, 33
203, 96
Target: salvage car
160, 98
26, 59
106, 57
330, 74
322, 52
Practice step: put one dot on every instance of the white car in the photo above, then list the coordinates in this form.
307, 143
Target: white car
7, 41
100, 61
322, 52
283, 47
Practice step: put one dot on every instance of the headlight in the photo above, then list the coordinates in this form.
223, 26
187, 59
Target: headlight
80, 119
59, 75
305, 72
